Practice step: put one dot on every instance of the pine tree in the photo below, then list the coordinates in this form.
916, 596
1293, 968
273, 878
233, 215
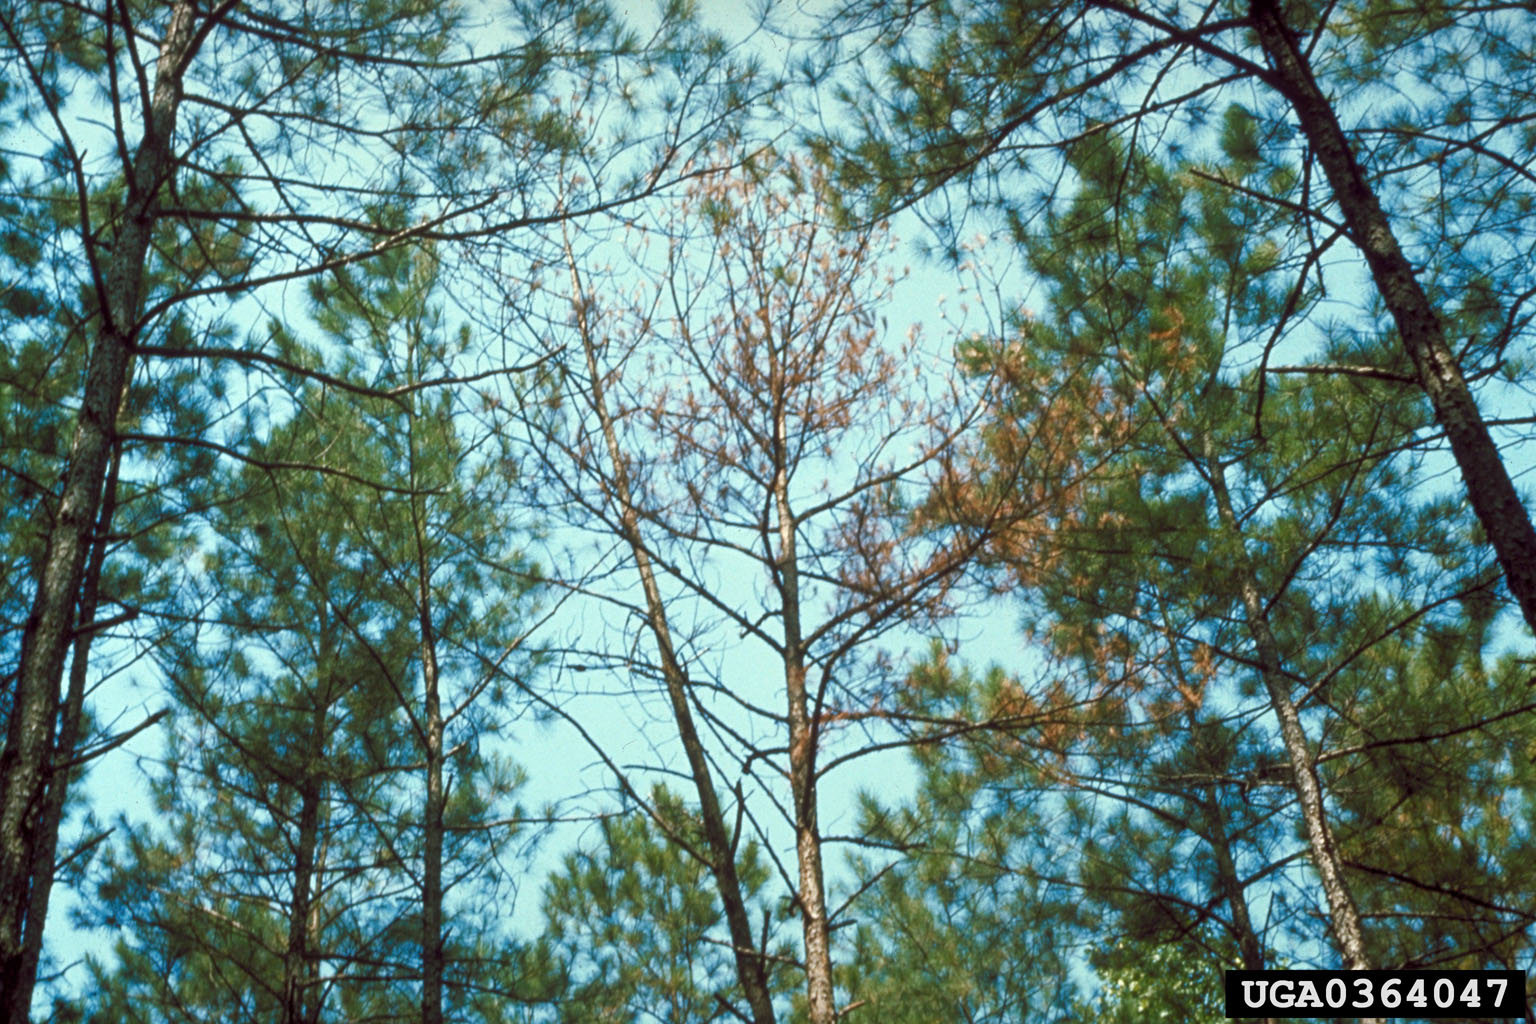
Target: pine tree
1213, 553
987, 97
975, 910
260, 895
346, 733
1437, 794
752, 423
634, 930
444, 544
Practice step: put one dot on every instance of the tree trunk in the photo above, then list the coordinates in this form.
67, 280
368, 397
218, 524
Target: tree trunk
1230, 883
298, 973
432, 853
25, 764
812, 896
750, 968
432, 954
1489, 488
803, 738
71, 718
1343, 915
301, 1004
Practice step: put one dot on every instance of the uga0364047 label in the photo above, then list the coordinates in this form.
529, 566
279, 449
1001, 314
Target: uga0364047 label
1425, 995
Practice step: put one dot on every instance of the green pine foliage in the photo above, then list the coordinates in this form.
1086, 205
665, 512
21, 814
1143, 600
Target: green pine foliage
291, 787
280, 755
1171, 795
1163, 983
1439, 796
973, 912
634, 928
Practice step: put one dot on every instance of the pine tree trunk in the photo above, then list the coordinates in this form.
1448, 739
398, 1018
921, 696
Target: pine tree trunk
812, 895
432, 854
301, 1004
1343, 914
1230, 884
1489, 488
71, 718
25, 765
298, 974
750, 969
432, 954
815, 927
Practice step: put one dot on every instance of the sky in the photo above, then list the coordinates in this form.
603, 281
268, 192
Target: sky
944, 302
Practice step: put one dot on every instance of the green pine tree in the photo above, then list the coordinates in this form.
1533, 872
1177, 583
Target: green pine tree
1225, 556
1397, 121
635, 931
343, 730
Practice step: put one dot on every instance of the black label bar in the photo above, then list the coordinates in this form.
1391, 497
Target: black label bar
1423, 995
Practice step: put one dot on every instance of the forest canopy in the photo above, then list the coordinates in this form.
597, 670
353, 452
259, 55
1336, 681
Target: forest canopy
538, 512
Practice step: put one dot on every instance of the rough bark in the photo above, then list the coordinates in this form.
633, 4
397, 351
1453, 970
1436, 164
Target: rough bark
432, 855
751, 970
301, 992
1228, 881
812, 895
1343, 914
71, 719
432, 954
25, 765
1490, 489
